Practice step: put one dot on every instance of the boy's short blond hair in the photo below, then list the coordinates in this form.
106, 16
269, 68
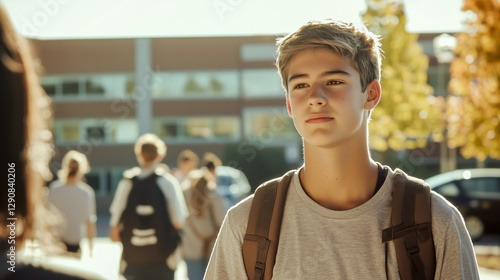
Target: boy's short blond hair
150, 147
358, 45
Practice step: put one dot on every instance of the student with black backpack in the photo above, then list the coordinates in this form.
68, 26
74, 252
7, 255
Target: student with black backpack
341, 215
147, 212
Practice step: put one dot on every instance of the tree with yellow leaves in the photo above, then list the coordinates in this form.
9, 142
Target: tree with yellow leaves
473, 110
408, 113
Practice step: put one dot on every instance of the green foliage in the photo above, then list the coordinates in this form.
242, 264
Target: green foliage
408, 112
473, 111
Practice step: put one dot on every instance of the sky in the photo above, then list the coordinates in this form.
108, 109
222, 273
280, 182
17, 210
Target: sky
77, 19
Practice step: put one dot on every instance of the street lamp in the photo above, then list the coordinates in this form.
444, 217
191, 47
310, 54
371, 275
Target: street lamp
444, 50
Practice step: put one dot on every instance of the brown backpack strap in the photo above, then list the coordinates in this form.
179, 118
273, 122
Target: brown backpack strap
260, 244
411, 228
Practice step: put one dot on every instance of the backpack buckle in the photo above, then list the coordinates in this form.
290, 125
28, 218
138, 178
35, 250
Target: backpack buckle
259, 270
413, 250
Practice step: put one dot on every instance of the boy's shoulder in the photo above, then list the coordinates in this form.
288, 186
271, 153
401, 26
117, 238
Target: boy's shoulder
239, 213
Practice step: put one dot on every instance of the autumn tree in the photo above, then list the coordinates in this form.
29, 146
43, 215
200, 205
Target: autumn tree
473, 110
408, 113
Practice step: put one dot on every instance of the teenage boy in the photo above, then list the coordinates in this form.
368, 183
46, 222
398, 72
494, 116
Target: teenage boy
150, 151
339, 201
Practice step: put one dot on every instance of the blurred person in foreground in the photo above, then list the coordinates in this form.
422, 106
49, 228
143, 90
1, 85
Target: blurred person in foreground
187, 161
339, 202
75, 201
28, 247
147, 213
207, 209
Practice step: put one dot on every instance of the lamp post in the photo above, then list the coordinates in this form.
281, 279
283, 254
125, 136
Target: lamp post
444, 47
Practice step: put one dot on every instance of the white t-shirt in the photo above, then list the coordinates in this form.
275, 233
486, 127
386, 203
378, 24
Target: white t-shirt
319, 243
76, 203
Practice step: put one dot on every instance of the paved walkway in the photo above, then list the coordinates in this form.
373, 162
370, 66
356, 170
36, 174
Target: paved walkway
106, 257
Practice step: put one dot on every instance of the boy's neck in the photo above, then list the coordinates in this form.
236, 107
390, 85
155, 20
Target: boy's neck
338, 178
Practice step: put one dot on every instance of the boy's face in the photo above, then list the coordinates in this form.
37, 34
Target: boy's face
325, 98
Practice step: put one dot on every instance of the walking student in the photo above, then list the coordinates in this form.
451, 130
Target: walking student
147, 212
75, 201
339, 203
207, 209
187, 161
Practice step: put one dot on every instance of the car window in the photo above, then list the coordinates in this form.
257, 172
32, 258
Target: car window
449, 190
482, 187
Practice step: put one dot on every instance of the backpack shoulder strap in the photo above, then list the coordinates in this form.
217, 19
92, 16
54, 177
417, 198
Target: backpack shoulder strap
411, 228
260, 244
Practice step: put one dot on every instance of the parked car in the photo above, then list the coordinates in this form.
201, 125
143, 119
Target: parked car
476, 194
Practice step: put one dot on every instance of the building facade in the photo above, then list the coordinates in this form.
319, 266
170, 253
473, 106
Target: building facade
220, 95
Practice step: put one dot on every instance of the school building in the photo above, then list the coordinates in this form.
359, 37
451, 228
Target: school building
214, 94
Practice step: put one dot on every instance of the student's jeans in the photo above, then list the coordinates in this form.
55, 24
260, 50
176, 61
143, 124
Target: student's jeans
196, 268
161, 272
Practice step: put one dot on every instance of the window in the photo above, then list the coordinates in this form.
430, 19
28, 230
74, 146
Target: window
269, 123
124, 131
89, 86
225, 127
95, 134
257, 52
449, 190
196, 84
95, 131
70, 132
70, 87
94, 86
50, 85
198, 128
482, 187
167, 129
261, 83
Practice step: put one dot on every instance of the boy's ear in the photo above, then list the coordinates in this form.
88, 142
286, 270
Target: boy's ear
374, 92
288, 106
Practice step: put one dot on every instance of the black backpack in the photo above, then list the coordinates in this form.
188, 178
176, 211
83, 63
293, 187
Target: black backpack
411, 229
148, 237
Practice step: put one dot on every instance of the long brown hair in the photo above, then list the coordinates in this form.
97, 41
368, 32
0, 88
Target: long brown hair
25, 114
201, 190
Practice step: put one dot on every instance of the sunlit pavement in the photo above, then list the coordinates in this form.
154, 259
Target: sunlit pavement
489, 274
106, 258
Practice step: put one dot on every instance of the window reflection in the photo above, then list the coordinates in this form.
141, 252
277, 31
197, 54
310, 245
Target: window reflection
95, 131
196, 84
272, 123
197, 128
261, 83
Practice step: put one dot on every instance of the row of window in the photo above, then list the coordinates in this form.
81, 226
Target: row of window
185, 84
254, 83
268, 123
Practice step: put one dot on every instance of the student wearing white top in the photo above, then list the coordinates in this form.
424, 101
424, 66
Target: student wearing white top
75, 201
